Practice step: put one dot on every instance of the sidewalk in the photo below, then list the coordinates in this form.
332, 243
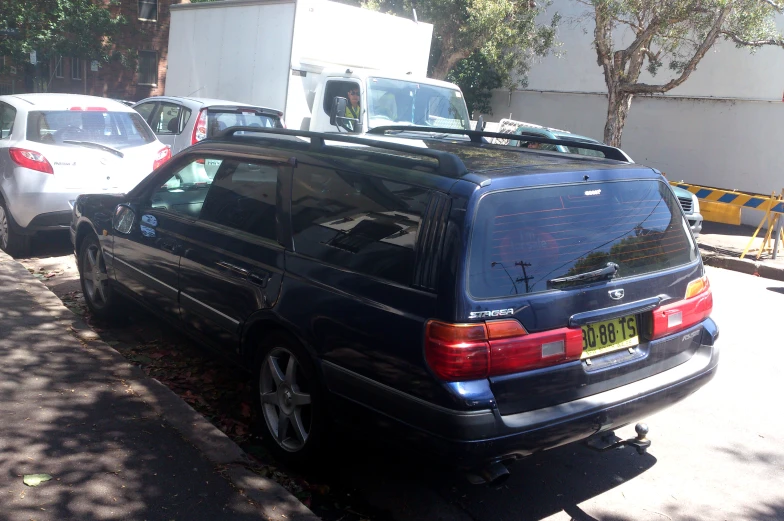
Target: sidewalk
721, 246
118, 444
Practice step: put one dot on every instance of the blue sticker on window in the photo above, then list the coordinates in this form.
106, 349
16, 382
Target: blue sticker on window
150, 219
147, 231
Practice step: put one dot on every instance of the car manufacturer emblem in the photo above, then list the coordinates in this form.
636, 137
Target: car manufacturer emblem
616, 294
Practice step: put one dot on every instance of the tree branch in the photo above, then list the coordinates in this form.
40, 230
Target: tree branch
775, 5
710, 39
753, 43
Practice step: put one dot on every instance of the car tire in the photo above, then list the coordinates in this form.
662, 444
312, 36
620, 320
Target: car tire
98, 293
13, 243
290, 400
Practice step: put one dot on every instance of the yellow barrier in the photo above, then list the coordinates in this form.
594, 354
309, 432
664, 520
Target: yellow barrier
724, 206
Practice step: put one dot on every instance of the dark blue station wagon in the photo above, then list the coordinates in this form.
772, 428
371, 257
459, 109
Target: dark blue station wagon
482, 301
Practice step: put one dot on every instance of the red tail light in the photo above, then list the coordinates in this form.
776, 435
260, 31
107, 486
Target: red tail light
695, 308
163, 155
200, 128
471, 351
30, 159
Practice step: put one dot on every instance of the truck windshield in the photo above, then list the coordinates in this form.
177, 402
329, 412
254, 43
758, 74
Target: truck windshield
400, 102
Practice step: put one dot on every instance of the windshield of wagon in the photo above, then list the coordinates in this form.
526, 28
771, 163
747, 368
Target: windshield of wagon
399, 102
525, 239
94, 126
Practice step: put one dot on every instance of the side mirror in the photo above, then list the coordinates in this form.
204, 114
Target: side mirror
480, 124
123, 220
338, 110
337, 116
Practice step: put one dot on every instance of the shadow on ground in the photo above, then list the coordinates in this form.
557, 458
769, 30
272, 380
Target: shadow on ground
66, 413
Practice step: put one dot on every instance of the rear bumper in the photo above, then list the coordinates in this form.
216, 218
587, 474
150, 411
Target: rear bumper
472, 438
42, 211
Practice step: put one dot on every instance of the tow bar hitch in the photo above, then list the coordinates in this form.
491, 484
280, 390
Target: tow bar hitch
608, 440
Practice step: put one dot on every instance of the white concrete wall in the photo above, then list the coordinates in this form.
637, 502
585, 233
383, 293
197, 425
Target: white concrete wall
723, 127
724, 72
730, 144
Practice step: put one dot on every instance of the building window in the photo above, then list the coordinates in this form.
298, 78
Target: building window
58, 67
148, 10
148, 68
76, 68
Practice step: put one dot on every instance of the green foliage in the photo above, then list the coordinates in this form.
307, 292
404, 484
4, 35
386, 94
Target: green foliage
504, 33
78, 28
476, 78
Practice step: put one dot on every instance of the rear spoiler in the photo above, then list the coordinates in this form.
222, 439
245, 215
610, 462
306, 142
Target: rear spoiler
477, 136
236, 108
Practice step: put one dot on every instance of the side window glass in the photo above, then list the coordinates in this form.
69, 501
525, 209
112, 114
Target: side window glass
362, 223
7, 116
168, 119
186, 115
184, 192
145, 109
340, 88
243, 196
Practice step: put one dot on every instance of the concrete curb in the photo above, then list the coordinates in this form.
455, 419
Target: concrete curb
274, 502
747, 266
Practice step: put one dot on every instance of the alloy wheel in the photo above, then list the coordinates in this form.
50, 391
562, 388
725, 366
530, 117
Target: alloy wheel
285, 399
96, 280
3, 228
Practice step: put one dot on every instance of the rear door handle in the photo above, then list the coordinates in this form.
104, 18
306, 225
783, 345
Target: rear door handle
233, 268
261, 279
171, 247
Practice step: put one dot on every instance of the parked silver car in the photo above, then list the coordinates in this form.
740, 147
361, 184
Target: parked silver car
54, 147
182, 121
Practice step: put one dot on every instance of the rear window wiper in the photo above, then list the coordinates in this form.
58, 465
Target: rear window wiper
90, 144
607, 272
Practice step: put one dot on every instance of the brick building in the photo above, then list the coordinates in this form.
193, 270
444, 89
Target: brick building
147, 33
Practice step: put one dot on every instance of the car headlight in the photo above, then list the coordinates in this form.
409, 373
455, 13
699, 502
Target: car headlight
695, 204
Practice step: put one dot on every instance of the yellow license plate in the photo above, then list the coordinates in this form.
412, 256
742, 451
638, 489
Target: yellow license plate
610, 335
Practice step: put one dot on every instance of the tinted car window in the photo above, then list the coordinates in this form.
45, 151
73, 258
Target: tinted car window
184, 192
7, 116
168, 119
362, 223
108, 128
243, 196
524, 238
145, 109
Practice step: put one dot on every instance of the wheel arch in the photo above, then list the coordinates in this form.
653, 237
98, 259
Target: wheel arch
261, 326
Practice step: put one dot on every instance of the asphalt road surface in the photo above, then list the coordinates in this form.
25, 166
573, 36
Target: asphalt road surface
718, 455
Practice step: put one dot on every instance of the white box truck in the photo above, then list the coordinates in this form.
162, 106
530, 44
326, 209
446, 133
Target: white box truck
299, 55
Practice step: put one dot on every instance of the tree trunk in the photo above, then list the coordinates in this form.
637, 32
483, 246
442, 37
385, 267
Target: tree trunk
446, 62
618, 105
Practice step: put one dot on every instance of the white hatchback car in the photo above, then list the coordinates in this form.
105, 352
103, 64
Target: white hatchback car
54, 147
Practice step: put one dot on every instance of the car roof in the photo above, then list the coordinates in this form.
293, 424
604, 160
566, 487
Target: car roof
488, 161
502, 161
53, 101
205, 102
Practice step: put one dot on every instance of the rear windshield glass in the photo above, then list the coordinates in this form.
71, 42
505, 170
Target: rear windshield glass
524, 238
95, 126
218, 121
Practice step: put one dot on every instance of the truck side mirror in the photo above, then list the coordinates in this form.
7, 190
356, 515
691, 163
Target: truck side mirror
338, 110
337, 116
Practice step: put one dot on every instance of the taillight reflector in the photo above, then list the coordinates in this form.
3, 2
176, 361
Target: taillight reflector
516, 354
163, 155
30, 159
471, 351
200, 128
695, 308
